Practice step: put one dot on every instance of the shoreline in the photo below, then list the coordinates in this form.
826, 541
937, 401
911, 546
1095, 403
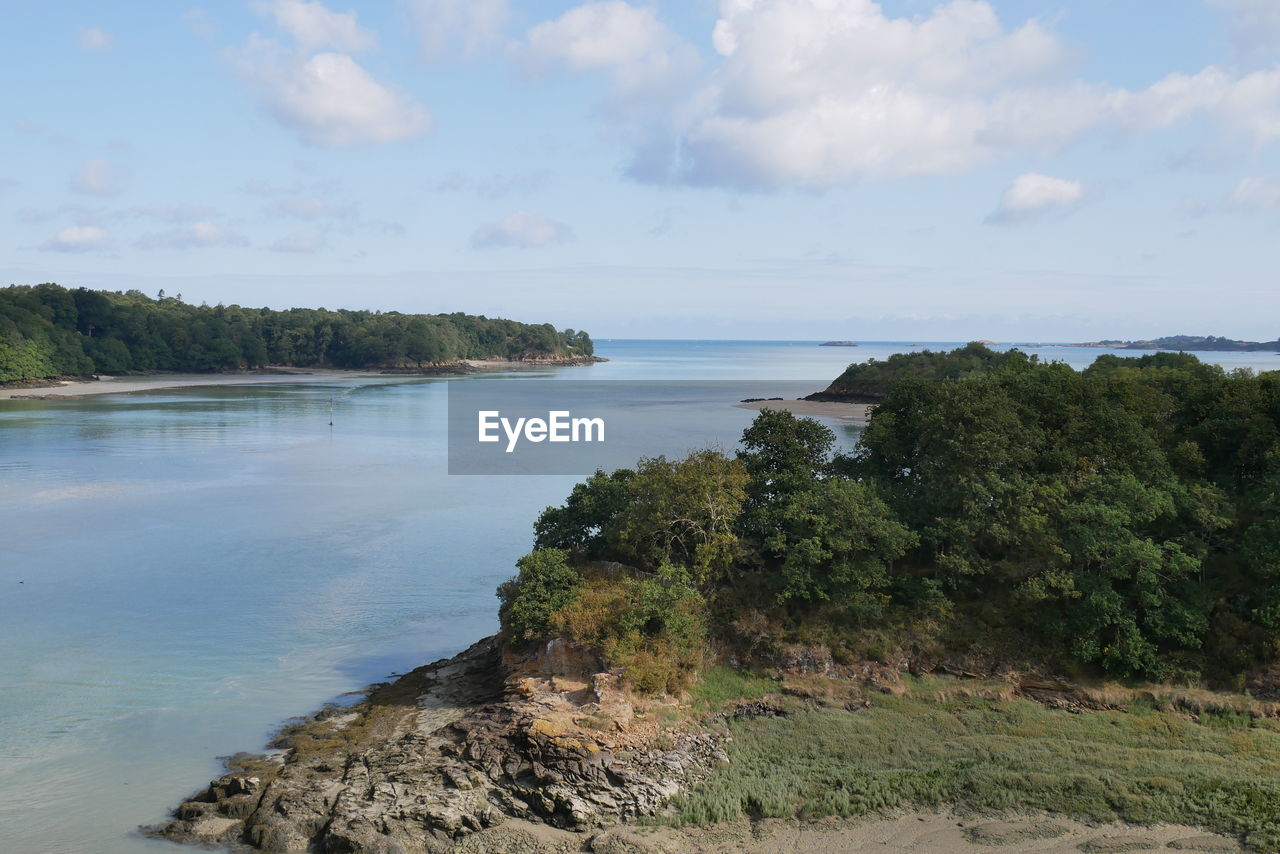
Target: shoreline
129, 384
490, 753
858, 413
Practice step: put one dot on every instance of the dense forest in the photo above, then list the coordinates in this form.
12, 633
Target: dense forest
49, 331
871, 381
1122, 520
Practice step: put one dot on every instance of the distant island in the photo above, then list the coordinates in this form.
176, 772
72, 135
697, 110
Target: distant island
837, 344
1185, 342
48, 331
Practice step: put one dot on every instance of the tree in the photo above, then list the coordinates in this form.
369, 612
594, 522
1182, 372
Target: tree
683, 512
545, 584
835, 542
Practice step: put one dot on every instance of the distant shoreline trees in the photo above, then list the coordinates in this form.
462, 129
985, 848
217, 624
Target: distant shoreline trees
48, 331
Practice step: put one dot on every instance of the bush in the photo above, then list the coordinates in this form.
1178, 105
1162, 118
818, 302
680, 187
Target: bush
546, 584
654, 628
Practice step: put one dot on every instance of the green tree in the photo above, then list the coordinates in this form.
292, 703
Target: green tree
545, 584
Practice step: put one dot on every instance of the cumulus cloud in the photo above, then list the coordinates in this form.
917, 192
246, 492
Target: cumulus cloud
523, 229
80, 238
1257, 193
314, 26
449, 28
97, 178
1034, 195
645, 60
198, 235
328, 98
816, 93
96, 39
325, 95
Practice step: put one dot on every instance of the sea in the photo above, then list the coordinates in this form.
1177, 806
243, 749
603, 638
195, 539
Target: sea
182, 571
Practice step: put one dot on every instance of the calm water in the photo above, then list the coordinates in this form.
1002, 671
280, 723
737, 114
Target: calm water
181, 571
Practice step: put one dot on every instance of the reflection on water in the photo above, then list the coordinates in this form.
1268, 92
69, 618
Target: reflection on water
183, 570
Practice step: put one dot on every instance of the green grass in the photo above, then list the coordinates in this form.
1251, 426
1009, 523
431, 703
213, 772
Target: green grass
981, 756
722, 684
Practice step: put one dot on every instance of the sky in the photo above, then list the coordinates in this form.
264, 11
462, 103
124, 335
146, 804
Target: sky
1022, 170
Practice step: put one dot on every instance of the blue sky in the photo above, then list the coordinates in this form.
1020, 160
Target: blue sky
743, 168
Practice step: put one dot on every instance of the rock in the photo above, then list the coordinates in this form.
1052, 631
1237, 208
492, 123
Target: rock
476, 746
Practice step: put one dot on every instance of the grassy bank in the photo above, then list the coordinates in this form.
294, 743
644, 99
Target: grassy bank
934, 748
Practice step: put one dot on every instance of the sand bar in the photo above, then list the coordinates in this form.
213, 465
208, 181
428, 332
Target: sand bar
156, 382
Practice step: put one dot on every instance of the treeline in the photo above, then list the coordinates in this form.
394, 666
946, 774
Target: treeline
47, 331
1120, 520
872, 380
1188, 342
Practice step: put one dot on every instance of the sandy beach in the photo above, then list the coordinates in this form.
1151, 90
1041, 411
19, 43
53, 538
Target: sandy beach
156, 382
857, 412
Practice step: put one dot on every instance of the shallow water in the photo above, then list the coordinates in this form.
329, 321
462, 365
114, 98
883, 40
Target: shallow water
181, 571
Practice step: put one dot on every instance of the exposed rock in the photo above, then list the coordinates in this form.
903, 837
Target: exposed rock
452, 750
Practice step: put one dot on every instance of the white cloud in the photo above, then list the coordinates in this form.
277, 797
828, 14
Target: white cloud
1248, 105
1254, 26
96, 39
1032, 195
80, 238
1255, 193
448, 28
328, 98
314, 26
198, 235
97, 178
816, 93
645, 60
523, 229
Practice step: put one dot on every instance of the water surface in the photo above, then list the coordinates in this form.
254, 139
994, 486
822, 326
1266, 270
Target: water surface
181, 571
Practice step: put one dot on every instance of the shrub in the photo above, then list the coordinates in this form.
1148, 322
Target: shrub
653, 628
546, 583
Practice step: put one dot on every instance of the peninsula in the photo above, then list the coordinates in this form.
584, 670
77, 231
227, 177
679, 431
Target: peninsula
1036, 602
49, 332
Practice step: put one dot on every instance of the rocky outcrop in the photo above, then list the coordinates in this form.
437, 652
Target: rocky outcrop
450, 749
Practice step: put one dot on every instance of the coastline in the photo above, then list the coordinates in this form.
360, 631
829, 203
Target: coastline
855, 412
491, 753
128, 384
